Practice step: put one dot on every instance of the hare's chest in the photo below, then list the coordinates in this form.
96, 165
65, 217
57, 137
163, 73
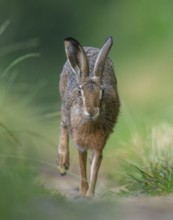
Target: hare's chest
86, 137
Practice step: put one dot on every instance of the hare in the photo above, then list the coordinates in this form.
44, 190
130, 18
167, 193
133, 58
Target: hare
90, 107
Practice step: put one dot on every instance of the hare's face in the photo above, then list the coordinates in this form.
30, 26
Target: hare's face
91, 95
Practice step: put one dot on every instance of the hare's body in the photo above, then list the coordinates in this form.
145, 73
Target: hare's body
89, 110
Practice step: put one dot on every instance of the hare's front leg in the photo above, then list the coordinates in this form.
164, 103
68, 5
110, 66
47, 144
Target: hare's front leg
63, 150
83, 171
95, 165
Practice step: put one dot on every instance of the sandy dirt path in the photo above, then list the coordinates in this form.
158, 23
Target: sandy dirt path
129, 208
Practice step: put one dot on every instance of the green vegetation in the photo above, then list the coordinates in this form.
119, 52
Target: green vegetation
150, 172
156, 179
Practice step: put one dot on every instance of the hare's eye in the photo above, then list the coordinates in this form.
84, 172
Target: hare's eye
79, 92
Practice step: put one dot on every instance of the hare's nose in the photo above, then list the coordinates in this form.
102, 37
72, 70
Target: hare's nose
92, 114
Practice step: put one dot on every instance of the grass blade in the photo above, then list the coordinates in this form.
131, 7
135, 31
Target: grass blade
20, 59
4, 26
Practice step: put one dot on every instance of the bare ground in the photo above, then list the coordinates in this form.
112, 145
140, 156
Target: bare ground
131, 208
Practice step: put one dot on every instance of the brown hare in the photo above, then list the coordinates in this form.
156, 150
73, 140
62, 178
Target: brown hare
90, 107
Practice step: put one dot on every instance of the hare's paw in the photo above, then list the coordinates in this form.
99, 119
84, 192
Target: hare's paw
63, 163
83, 189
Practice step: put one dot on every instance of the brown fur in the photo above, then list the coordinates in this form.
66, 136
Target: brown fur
86, 133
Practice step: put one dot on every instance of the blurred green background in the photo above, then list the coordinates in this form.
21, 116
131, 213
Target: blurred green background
31, 59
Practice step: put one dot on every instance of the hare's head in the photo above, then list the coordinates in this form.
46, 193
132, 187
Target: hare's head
90, 89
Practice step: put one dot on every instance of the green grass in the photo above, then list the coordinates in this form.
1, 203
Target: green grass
24, 148
156, 179
143, 162
152, 173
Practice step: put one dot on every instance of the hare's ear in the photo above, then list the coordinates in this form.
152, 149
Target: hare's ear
102, 56
76, 57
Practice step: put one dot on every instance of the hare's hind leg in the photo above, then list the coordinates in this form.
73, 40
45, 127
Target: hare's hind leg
83, 171
63, 150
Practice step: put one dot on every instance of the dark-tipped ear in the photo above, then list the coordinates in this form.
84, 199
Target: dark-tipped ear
102, 56
76, 57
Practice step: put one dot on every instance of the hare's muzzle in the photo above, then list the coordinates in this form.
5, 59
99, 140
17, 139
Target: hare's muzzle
92, 115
